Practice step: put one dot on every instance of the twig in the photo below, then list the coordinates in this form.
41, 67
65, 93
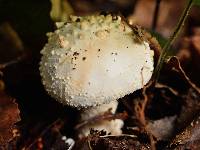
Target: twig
166, 48
106, 116
155, 16
89, 145
173, 91
140, 108
122, 135
177, 67
140, 114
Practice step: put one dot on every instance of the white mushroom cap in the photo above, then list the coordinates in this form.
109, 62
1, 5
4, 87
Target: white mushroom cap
94, 60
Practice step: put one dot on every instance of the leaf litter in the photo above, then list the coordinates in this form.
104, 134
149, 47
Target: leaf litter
9, 116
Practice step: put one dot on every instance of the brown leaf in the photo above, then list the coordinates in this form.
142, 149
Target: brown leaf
9, 115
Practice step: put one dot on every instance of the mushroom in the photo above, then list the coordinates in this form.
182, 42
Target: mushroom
90, 62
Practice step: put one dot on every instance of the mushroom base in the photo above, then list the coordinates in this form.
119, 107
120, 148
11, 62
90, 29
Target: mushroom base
113, 126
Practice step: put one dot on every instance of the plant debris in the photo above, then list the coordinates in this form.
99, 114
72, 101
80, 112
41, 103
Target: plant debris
9, 115
99, 140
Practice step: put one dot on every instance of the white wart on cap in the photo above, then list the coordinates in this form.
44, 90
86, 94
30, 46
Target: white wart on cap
94, 60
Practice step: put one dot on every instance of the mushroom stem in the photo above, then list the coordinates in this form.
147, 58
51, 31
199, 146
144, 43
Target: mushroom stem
110, 126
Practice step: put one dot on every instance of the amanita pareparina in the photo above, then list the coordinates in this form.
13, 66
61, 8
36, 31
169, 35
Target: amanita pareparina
90, 62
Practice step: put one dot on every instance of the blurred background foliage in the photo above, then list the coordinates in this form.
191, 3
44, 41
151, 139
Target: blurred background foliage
32, 19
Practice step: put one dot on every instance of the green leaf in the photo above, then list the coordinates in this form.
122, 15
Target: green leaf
197, 2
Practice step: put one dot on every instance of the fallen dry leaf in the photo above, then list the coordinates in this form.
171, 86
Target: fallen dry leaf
9, 115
